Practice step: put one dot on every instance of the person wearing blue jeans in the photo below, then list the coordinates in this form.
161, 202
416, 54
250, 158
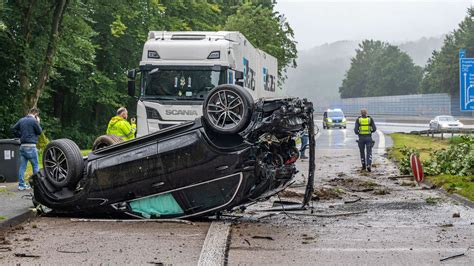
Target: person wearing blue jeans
28, 130
304, 143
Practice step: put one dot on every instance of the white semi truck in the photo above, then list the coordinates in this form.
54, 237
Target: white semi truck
178, 69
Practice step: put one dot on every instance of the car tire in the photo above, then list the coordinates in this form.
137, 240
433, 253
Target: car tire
63, 163
105, 141
231, 116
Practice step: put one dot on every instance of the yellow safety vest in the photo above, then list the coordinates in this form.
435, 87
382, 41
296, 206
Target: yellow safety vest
364, 126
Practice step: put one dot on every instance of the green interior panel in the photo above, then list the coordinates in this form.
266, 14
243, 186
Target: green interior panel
156, 206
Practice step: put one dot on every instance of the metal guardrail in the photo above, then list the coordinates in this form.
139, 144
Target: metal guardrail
464, 131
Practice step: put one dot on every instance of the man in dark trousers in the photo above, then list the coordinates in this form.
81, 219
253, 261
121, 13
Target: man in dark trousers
28, 130
364, 127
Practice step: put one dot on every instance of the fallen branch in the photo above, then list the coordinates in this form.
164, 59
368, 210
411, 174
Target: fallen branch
456, 256
327, 215
133, 221
263, 237
352, 201
23, 255
72, 252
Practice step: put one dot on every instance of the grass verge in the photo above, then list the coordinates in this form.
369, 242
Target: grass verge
462, 185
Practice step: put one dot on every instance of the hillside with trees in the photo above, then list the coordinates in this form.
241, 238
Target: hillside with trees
69, 57
380, 69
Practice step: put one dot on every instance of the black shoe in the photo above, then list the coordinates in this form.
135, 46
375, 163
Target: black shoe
369, 169
363, 168
303, 157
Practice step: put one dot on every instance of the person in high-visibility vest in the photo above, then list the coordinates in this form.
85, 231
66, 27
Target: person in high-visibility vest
119, 125
364, 127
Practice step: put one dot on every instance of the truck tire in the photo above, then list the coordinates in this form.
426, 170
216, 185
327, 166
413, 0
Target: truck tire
63, 163
228, 109
105, 141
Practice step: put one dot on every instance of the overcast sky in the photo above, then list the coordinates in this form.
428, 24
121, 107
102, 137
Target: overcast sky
324, 21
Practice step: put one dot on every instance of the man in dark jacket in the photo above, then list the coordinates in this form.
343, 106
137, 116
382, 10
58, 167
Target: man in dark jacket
28, 130
364, 127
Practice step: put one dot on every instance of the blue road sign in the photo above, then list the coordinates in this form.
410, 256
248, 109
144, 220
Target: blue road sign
466, 82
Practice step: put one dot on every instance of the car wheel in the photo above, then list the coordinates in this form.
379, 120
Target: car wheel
228, 109
63, 163
105, 141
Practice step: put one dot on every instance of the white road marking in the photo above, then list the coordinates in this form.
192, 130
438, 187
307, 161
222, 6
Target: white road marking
381, 146
214, 250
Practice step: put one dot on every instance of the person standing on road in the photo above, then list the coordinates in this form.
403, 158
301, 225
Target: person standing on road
364, 127
120, 127
28, 130
304, 143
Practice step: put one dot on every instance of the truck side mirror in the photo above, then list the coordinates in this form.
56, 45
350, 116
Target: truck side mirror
132, 73
131, 88
239, 75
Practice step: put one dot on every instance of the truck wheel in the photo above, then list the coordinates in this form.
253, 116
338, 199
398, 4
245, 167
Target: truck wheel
105, 141
228, 109
63, 163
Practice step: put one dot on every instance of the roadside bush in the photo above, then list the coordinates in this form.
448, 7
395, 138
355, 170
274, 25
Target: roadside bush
458, 159
404, 163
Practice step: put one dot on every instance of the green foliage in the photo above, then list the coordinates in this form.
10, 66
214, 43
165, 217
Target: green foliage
439, 73
267, 30
458, 159
380, 69
404, 164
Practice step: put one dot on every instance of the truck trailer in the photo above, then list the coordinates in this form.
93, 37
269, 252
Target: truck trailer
178, 69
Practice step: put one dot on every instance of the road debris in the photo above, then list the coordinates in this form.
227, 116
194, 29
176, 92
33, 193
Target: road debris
352, 201
456, 256
24, 255
456, 215
263, 237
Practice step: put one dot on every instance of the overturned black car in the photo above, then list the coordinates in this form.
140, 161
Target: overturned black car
239, 152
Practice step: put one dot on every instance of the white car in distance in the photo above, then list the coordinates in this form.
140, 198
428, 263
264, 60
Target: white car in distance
445, 122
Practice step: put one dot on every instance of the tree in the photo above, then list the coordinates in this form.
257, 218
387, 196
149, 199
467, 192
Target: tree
441, 72
380, 69
267, 30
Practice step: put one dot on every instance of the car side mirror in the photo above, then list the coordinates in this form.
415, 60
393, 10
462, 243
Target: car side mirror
132, 73
131, 88
239, 75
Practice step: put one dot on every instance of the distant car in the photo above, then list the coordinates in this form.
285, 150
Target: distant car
239, 152
445, 122
334, 118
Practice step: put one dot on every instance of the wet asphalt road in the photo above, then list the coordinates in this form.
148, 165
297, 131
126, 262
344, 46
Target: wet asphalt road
359, 218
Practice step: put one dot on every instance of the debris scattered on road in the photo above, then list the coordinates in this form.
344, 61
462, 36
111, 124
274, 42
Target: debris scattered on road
263, 237
446, 225
399, 177
456, 215
381, 192
327, 193
290, 194
432, 201
248, 242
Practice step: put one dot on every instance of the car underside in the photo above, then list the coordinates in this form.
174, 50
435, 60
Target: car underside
239, 152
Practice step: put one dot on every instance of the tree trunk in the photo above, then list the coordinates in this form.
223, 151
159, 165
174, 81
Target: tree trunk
59, 10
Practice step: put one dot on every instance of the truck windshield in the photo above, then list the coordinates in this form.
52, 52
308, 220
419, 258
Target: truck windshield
181, 84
